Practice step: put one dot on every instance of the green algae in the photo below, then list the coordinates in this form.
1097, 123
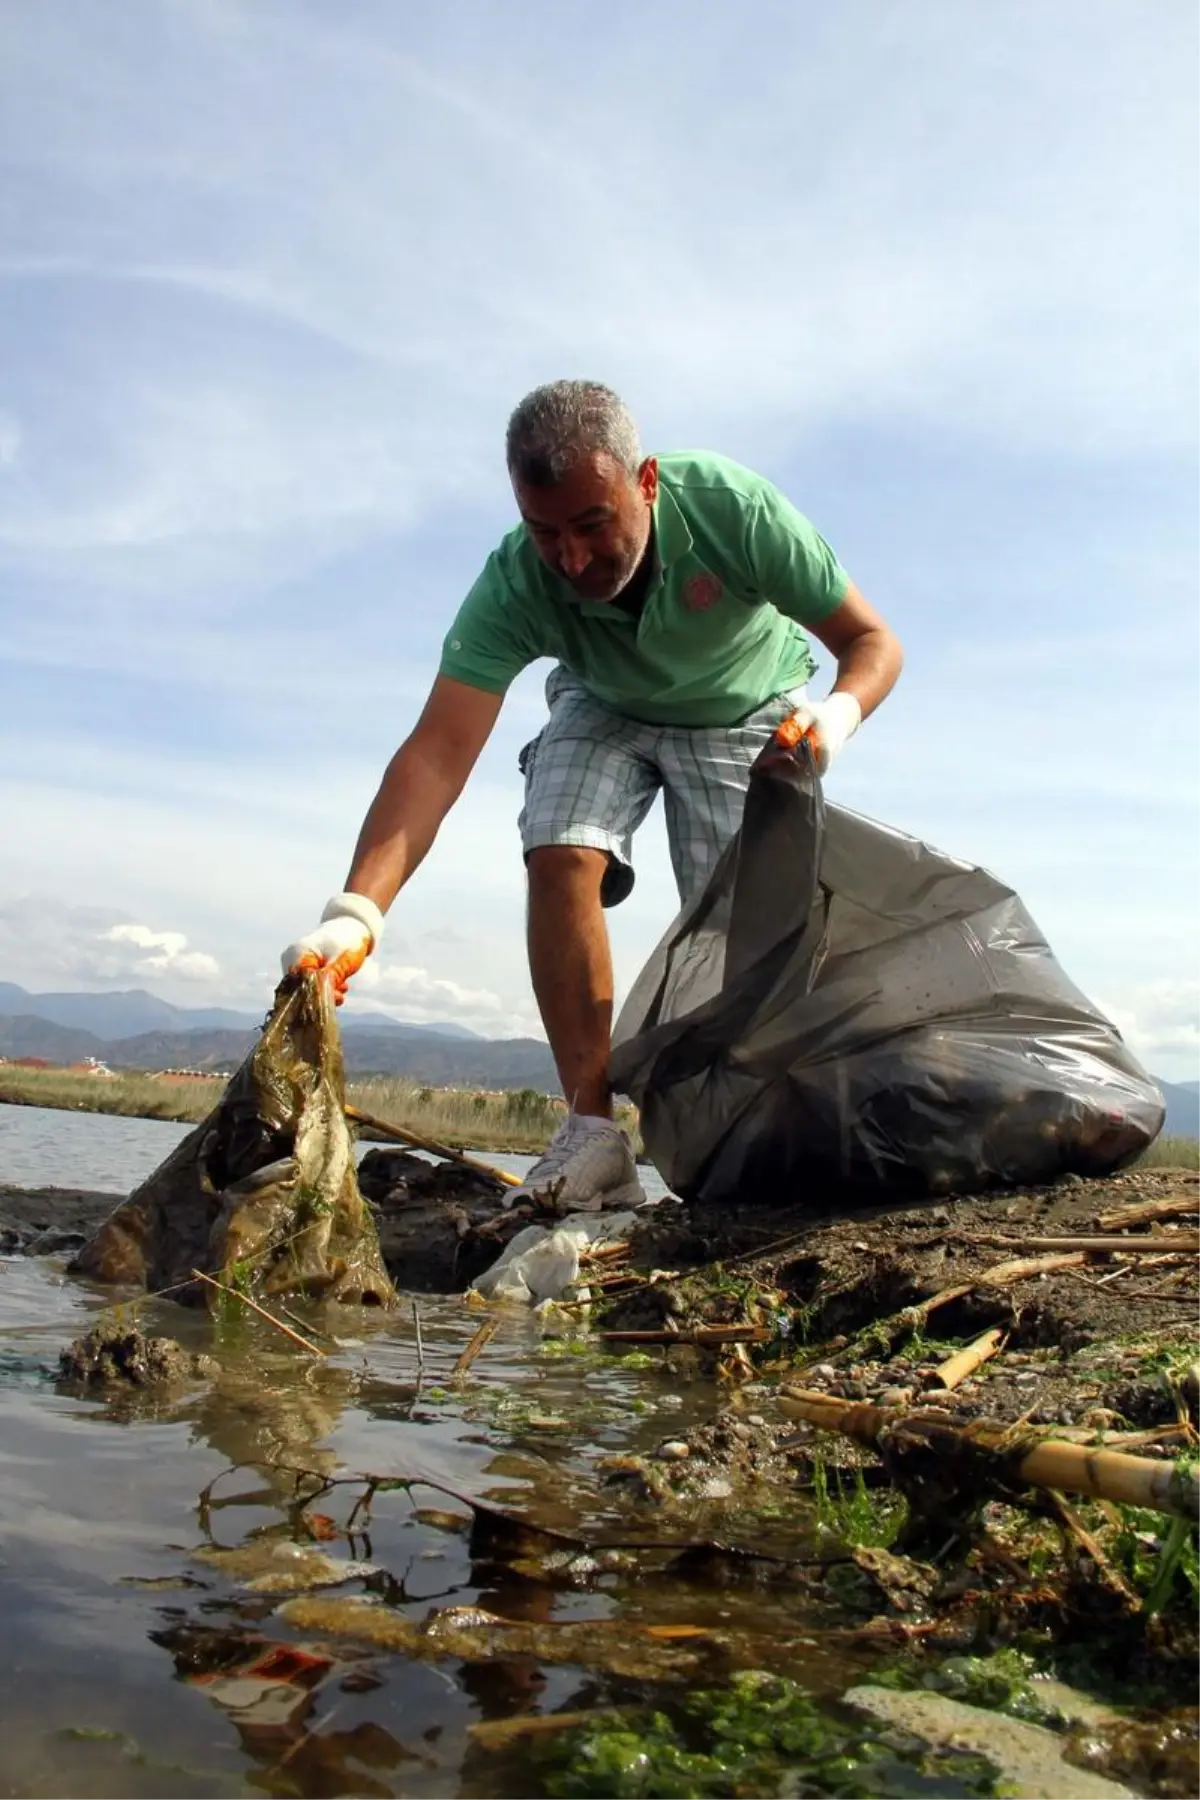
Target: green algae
1002, 1682
761, 1734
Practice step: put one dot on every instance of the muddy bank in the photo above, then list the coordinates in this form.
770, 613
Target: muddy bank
48, 1221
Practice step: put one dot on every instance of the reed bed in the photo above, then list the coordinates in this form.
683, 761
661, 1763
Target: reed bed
517, 1120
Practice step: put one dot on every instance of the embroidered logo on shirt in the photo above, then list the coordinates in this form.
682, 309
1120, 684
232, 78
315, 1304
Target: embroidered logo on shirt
700, 592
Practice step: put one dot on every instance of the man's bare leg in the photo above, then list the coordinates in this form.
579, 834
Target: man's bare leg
571, 965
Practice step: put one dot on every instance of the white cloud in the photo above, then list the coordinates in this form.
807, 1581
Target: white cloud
170, 954
45, 944
1160, 1021
416, 997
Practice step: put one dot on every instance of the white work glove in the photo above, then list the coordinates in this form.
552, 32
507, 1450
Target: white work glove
350, 928
826, 725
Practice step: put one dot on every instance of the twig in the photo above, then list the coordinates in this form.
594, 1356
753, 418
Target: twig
1025, 1268
1157, 1294
703, 1334
486, 1332
296, 1320
304, 1343
1185, 1243
956, 1368
889, 1331
404, 1136
420, 1340
611, 1252
494, 1733
1087, 1543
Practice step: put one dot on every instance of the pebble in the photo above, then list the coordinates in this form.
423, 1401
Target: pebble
674, 1450
821, 1372
895, 1396
1026, 1375
716, 1487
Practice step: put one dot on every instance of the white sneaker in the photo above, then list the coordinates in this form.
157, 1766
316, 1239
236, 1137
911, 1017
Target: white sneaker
588, 1165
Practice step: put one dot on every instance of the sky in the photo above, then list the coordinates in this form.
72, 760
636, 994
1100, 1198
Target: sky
274, 274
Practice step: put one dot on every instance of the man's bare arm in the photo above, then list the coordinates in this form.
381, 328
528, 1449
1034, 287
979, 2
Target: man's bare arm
419, 786
869, 657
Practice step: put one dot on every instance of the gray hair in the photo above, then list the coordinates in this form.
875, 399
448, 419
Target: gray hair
556, 424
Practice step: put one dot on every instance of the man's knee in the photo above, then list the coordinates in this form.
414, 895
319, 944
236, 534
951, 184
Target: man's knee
567, 866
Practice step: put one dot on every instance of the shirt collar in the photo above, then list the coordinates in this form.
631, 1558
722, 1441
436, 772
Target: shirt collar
672, 539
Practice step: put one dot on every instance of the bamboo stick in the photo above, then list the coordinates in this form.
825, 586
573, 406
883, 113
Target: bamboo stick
956, 1368
313, 1349
403, 1135
1075, 1468
1146, 1212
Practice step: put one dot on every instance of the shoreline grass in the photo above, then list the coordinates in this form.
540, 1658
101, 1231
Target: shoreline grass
518, 1121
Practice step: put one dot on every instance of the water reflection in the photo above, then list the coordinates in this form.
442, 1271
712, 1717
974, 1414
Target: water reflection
273, 1441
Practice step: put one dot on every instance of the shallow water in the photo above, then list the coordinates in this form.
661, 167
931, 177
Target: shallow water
102, 1587
46, 1147
100, 1533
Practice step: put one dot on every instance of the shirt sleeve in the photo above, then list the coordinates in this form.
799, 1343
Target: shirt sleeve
794, 567
490, 641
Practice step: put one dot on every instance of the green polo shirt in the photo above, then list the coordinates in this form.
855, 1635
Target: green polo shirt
738, 573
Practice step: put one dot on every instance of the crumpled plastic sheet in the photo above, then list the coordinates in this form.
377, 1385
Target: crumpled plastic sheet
541, 1263
845, 1012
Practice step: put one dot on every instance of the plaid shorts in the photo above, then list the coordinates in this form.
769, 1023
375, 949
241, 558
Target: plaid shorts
592, 774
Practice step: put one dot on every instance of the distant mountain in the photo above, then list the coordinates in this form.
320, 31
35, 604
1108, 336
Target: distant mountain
23, 1036
437, 1059
377, 1021
133, 1012
133, 1030
1183, 1108
108, 1015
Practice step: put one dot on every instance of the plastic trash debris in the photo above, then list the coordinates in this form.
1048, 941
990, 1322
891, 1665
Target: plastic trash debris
539, 1264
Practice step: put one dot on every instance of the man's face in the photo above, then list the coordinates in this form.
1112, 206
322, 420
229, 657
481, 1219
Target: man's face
593, 526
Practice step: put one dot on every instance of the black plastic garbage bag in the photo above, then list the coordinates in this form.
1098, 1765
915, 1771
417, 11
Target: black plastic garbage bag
847, 1012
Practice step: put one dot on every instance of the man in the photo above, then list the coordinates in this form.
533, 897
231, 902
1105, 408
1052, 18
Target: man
671, 592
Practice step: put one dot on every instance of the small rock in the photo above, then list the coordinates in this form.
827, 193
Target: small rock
113, 1356
821, 1372
1028, 1757
674, 1450
896, 1396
